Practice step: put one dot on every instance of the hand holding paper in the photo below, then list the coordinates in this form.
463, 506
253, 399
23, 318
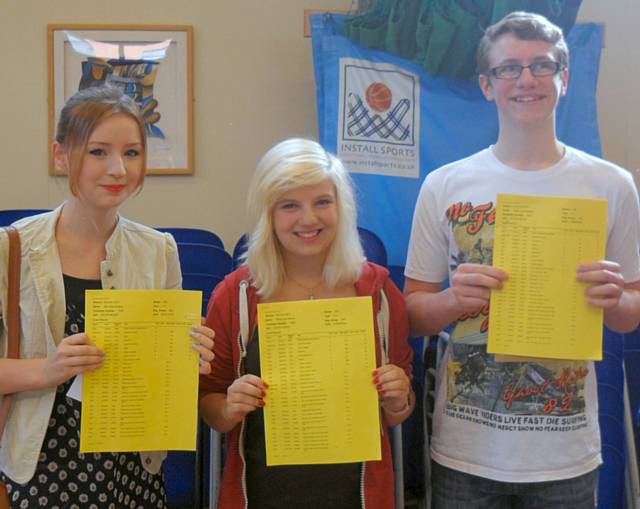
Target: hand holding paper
472, 284
75, 354
244, 396
204, 346
393, 387
606, 283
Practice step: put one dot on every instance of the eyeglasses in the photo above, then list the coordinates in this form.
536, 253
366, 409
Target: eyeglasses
538, 69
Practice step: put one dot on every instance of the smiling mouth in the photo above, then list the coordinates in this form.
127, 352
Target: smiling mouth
527, 98
115, 188
308, 235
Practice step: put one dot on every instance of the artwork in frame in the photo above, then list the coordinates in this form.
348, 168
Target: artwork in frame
151, 63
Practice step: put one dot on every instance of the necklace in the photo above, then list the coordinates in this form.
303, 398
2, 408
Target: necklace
310, 290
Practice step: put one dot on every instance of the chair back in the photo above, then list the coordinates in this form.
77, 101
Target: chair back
396, 273
373, 247
194, 235
610, 377
203, 267
12, 215
238, 250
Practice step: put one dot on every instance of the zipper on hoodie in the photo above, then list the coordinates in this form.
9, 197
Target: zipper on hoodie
241, 436
243, 354
362, 500
244, 465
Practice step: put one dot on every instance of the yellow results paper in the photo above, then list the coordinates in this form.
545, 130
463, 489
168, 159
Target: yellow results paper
145, 397
317, 357
541, 310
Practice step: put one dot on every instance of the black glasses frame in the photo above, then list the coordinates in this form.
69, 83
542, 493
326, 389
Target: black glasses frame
533, 68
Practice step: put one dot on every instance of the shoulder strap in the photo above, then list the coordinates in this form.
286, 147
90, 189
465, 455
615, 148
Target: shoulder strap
383, 327
13, 312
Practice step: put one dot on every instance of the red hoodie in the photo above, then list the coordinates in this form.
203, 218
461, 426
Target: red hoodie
377, 483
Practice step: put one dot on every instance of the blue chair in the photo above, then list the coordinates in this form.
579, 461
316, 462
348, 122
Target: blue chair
373, 247
609, 372
201, 258
396, 273
238, 250
203, 267
632, 415
632, 365
611, 483
177, 469
186, 474
194, 235
12, 215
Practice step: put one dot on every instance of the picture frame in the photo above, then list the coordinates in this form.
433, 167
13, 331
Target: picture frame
152, 63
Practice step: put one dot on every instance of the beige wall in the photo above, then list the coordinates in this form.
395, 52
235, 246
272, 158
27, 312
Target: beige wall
253, 86
619, 81
253, 83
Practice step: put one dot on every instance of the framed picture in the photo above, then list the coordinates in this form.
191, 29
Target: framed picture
151, 63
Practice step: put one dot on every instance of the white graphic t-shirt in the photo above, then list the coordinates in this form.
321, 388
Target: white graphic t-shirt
513, 421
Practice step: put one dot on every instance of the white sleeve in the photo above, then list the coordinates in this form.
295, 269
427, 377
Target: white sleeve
428, 254
174, 273
623, 244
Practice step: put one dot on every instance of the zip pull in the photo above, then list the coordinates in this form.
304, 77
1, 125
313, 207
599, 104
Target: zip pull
383, 328
243, 306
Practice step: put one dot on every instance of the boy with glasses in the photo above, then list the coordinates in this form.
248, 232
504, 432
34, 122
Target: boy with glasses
515, 434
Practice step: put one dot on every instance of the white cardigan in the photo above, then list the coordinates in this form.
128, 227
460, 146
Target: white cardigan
138, 257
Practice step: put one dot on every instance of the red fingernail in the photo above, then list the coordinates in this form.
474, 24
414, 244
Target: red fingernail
266, 385
261, 403
379, 387
376, 380
263, 394
374, 372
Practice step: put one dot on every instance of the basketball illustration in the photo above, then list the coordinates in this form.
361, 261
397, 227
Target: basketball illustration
378, 97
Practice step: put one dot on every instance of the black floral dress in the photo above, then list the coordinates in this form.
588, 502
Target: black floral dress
66, 479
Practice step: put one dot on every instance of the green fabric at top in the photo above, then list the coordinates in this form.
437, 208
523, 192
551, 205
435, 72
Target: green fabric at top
443, 35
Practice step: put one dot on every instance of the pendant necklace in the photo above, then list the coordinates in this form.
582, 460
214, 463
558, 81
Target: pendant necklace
310, 290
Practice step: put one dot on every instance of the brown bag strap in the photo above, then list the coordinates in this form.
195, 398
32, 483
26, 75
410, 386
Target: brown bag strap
13, 313
4, 497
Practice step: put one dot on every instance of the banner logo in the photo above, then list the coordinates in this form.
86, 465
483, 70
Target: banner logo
361, 123
379, 120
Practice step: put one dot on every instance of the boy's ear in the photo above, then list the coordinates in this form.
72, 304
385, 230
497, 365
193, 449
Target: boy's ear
565, 82
485, 86
59, 156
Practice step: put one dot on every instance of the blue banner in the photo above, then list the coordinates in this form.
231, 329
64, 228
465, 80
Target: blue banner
391, 123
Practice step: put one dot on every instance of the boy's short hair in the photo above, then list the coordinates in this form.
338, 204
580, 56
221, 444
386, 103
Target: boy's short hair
525, 26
